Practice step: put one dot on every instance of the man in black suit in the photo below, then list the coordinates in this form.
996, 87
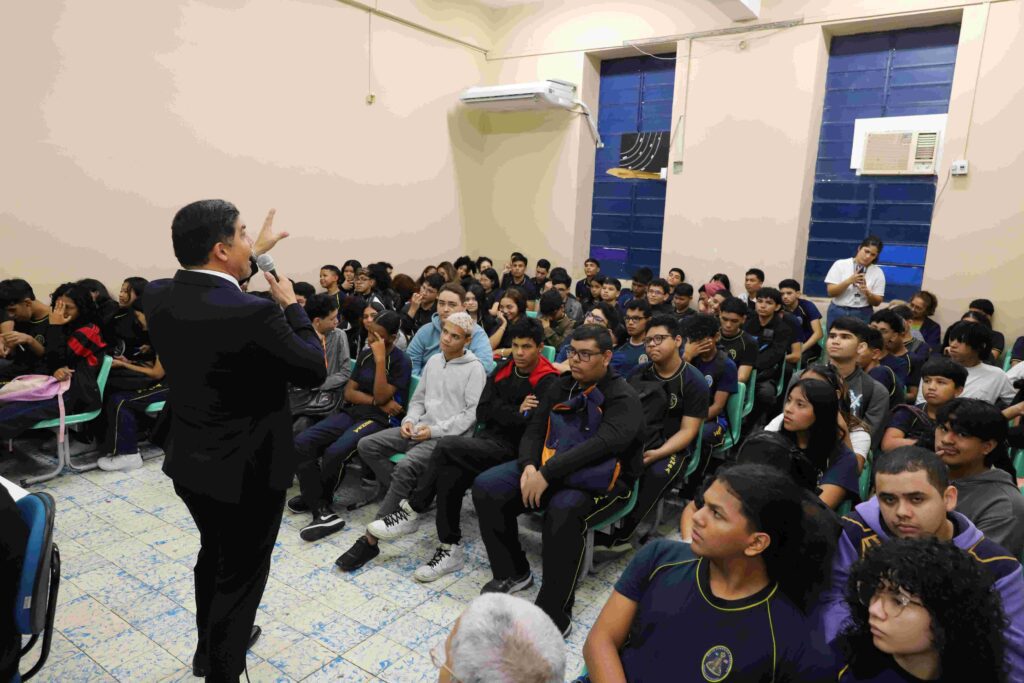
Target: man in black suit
229, 357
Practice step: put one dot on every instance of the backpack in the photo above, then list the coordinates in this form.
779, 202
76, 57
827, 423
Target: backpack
570, 424
37, 388
655, 405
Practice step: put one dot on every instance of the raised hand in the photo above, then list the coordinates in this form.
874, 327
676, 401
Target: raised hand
267, 238
59, 314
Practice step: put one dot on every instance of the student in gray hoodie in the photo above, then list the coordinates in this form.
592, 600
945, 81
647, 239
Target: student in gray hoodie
970, 437
322, 310
444, 404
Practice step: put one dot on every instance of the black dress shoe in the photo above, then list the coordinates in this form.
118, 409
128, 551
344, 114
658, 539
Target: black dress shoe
200, 665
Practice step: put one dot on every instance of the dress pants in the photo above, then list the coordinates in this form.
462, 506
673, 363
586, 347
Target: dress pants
231, 571
568, 515
456, 463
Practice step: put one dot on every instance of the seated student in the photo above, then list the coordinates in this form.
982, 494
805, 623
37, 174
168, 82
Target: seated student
338, 284
871, 361
447, 271
969, 345
601, 314
540, 275
702, 334
658, 293
611, 289
1017, 353
491, 283
774, 338
516, 278
808, 317
74, 351
511, 393
451, 298
585, 287
869, 400
465, 267
970, 438
921, 610
105, 304
444, 404
738, 345
577, 486
985, 307
666, 449
347, 282
24, 332
896, 357
714, 302
561, 282
322, 311
371, 283
125, 337
124, 409
913, 499
512, 308
734, 603
638, 287
493, 328
922, 307
422, 305
675, 277
303, 292
942, 380
753, 281
682, 295
811, 422
919, 351
557, 324
633, 351
373, 398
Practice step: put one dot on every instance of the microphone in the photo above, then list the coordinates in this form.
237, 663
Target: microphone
265, 262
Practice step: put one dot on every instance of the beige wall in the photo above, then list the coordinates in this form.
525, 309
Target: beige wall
110, 126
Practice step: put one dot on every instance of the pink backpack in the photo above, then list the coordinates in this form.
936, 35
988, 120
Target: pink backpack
37, 388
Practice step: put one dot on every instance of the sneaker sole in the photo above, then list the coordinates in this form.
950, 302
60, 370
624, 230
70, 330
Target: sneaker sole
318, 531
388, 535
435, 577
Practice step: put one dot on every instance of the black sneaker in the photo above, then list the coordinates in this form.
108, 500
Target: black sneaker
297, 505
324, 523
510, 585
359, 554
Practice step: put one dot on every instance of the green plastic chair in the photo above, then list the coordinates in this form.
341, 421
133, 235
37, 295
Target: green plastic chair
734, 413
588, 552
154, 408
865, 477
1017, 456
413, 383
352, 364
1007, 357
748, 403
531, 314
549, 353
64, 447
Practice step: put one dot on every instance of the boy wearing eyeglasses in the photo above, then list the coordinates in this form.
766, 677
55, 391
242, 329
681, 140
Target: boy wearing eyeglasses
633, 351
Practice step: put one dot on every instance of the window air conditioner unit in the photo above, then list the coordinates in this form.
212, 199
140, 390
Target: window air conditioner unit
900, 153
538, 95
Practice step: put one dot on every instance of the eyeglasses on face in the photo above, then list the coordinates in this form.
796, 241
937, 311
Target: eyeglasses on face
893, 602
582, 354
657, 339
635, 318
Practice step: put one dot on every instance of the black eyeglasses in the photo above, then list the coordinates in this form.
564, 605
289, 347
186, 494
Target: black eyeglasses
583, 355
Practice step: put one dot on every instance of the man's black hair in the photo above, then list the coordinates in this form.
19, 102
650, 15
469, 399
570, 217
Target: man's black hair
662, 283
14, 291
769, 293
756, 272
560, 276
702, 326
465, 261
481, 259
641, 305
527, 328
975, 335
979, 419
941, 366
854, 326
873, 338
614, 281
435, 281
682, 273
734, 305
592, 260
643, 275
550, 301
544, 263
304, 289
379, 273
888, 317
914, 459
903, 311
984, 305
598, 334
321, 305
334, 269
197, 227
519, 258
683, 289
669, 322
790, 283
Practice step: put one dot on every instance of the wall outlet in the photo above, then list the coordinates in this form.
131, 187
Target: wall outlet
959, 167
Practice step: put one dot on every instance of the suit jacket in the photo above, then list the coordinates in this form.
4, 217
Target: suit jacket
229, 358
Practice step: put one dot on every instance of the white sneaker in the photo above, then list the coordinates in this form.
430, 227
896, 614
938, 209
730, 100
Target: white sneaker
446, 559
401, 522
120, 463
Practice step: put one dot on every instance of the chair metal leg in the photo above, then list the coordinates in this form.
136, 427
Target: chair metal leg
588, 554
78, 468
52, 474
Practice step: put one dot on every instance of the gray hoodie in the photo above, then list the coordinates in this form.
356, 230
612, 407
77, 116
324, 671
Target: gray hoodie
992, 501
447, 395
338, 367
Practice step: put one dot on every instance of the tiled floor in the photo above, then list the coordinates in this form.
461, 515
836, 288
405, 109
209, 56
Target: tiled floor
126, 600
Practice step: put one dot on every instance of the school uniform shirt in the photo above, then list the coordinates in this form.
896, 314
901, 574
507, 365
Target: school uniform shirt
526, 287
773, 342
398, 373
887, 377
720, 375
919, 352
891, 672
914, 422
844, 268
662, 309
687, 393
22, 355
683, 632
903, 366
805, 313
629, 356
686, 313
741, 349
869, 401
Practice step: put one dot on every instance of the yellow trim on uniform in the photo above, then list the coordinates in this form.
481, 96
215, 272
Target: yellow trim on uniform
732, 609
671, 564
842, 671
970, 551
771, 628
863, 528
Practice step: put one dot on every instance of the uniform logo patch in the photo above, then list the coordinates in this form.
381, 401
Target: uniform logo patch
709, 379
717, 664
673, 401
732, 354
642, 359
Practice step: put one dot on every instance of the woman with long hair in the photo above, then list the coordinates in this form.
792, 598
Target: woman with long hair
733, 605
481, 316
348, 275
74, 352
922, 610
511, 309
811, 422
427, 271
856, 284
491, 284
448, 270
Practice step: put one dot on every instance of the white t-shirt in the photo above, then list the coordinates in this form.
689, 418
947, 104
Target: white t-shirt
860, 438
987, 383
844, 268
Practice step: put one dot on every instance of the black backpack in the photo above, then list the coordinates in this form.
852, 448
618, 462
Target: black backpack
655, 405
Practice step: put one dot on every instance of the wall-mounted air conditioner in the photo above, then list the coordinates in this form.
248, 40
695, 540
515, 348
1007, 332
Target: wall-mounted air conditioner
900, 153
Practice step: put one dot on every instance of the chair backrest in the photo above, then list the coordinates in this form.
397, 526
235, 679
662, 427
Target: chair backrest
37, 509
734, 412
748, 404
549, 353
352, 364
413, 383
531, 314
104, 373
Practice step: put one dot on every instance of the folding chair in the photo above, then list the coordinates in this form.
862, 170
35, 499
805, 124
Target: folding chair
63, 443
36, 601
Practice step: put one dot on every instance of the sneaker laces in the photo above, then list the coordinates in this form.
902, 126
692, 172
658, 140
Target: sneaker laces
396, 518
439, 555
